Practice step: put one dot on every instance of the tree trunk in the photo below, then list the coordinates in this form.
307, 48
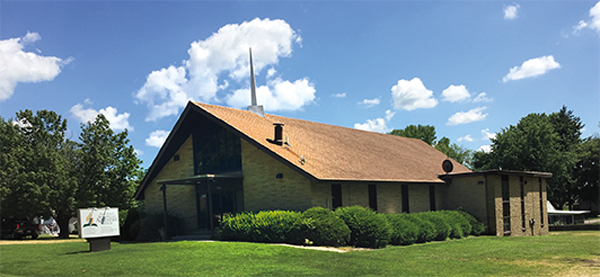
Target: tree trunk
63, 223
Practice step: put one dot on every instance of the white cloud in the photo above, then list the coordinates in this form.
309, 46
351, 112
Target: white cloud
369, 102
84, 115
485, 148
532, 68
271, 72
339, 95
511, 11
595, 15
164, 92
389, 114
19, 66
277, 95
378, 125
487, 135
455, 93
482, 97
467, 117
411, 95
220, 59
118, 122
577, 28
467, 138
593, 23
157, 138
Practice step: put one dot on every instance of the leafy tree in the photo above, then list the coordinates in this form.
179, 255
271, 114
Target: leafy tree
587, 170
454, 151
426, 133
45, 174
31, 163
540, 142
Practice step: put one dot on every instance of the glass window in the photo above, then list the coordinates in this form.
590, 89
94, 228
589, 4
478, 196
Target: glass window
506, 204
216, 150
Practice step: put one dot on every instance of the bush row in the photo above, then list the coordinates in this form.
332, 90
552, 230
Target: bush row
354, 226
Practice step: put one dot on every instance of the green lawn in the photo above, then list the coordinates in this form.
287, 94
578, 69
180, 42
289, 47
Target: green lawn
564, 253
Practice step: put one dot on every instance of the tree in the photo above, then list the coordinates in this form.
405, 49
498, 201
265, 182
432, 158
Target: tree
539, 142
31, 163
45, 174
587, 170
454, 151
426, 133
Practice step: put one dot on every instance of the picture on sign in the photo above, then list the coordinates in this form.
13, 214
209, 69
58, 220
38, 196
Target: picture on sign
98, 222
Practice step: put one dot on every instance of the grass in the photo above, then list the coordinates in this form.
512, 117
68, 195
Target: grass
562, 253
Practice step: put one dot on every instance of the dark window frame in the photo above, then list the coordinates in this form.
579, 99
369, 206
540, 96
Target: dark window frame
541, 202
522, 188
336, 196
216, 150
506, 204
405, 205
432, 198
373, 197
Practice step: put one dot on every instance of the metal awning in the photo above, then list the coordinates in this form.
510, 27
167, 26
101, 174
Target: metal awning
199, 178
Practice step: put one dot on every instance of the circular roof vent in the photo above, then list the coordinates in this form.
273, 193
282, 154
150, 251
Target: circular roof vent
447, 166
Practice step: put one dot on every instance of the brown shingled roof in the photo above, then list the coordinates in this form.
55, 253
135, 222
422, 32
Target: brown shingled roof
334, 153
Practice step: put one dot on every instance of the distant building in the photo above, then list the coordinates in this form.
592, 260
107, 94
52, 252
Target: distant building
220, 160
561, 217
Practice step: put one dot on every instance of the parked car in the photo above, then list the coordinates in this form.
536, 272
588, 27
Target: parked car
19, 228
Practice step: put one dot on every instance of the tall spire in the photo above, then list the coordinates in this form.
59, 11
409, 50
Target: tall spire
254, 107
252, 82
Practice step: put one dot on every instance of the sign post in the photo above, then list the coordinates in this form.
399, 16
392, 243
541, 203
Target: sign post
97, 225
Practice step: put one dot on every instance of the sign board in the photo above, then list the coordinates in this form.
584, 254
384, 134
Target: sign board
98, 222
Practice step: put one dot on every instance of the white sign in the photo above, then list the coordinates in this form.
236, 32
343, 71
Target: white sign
98, 222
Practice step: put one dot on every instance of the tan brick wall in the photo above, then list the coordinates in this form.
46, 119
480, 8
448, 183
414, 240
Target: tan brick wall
389, 198
495, 183
418, 198
492, 216
532, 206
321, 195
467, 193
355, 194
262, 191
181, 201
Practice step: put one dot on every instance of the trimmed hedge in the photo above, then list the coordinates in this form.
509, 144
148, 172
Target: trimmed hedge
368, 228
426, 229
404, 231
264, 226
477, 228
355, 226
321, 226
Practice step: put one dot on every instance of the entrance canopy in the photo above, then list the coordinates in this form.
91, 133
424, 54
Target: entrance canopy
206, 181
194, 180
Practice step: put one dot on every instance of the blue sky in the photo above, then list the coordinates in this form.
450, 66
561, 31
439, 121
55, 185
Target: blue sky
468, 68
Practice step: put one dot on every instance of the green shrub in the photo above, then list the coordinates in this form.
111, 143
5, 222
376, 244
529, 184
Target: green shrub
477, 228
275, 226
425, 228
403, 230
442, 229
368, 228
459, 225
237, 227
322, 227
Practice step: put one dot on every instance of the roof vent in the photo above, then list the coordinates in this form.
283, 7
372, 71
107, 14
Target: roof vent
254, 107
447, 166
278, 139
